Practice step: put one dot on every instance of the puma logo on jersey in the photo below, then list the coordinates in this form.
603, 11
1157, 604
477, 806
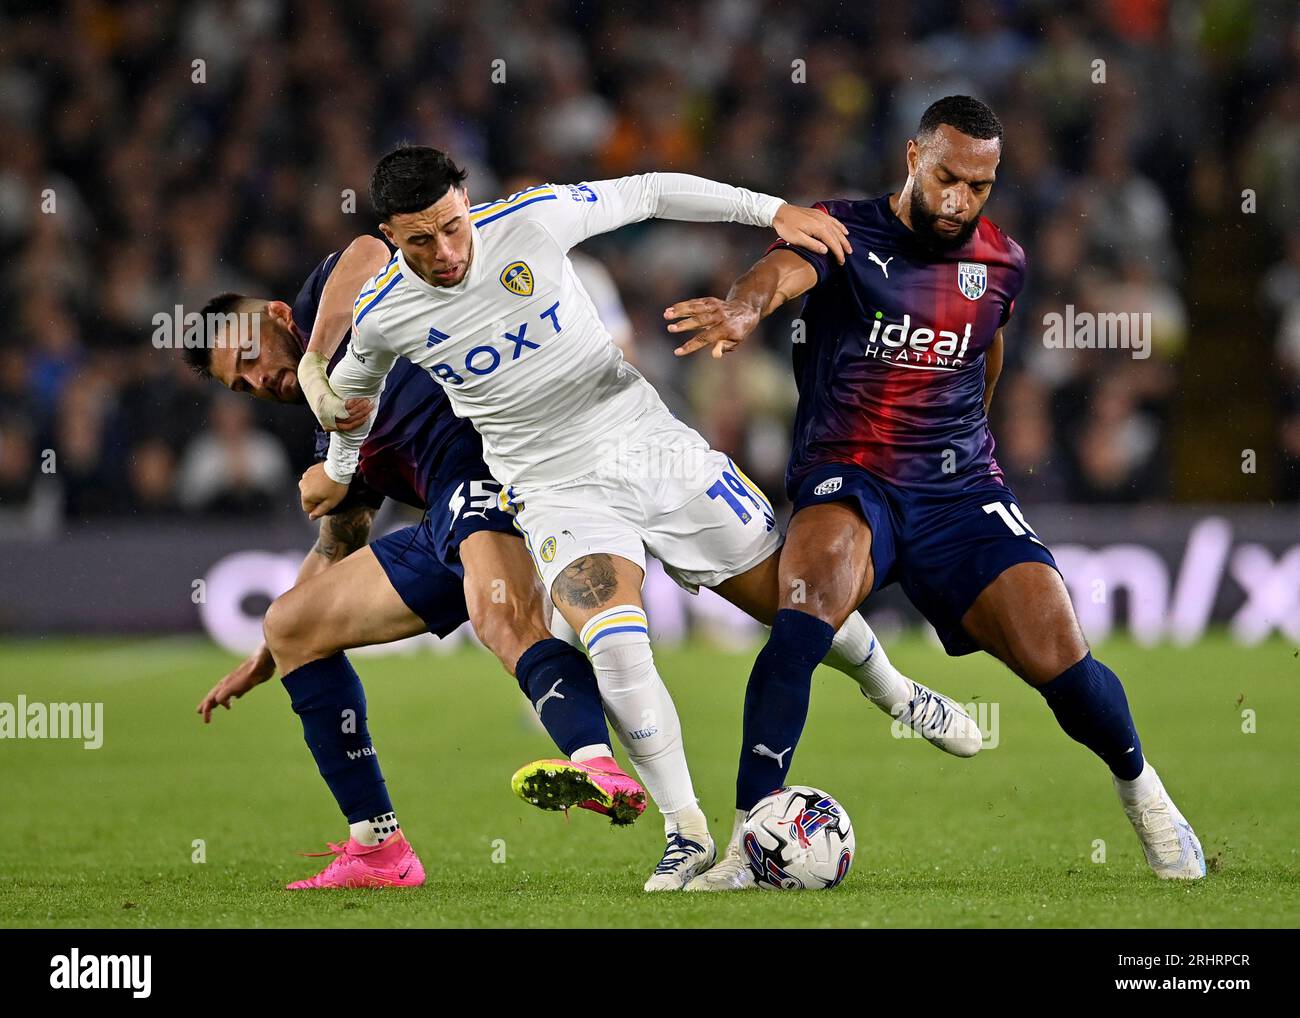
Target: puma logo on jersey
884, 266
554, 694
762, 750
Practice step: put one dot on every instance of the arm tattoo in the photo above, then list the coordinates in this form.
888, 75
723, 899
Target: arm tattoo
343, 533
588, 583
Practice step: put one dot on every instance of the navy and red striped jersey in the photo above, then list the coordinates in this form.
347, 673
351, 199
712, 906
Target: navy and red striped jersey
890, 368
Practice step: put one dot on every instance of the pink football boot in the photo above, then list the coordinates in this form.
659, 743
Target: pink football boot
391, 864
598, 784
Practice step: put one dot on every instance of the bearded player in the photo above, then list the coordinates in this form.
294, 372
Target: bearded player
485, 300
463, 561
892, 474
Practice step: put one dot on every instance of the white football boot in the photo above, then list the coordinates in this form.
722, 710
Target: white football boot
941, 721
732, 873
683, 858
1168, 841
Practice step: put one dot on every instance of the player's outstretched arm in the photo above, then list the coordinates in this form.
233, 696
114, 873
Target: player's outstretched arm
361, 260
585, 210
340, 535
777, 277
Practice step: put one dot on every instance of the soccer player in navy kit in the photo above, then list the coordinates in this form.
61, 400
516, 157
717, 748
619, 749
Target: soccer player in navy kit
433, 576
892, 474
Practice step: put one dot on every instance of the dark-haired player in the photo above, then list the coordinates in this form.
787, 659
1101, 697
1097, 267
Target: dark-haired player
465, 560
892, 473
600, 474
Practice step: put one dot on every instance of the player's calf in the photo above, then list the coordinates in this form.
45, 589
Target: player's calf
328, 698
1088, 701
825, 572
599, 595
645, 717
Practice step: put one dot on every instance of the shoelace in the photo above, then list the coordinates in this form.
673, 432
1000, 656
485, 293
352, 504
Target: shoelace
332, 850
1165, 828
676, 853
927, 700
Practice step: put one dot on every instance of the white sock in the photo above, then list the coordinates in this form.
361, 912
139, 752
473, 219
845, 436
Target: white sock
638, 706
1144, 786
376, 830
736, 828
591, 752
689, 822
857, 653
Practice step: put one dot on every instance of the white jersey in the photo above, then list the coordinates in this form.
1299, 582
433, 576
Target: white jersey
517, 343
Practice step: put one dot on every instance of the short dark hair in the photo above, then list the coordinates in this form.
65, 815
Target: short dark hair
411, 178
199, 358
966, 113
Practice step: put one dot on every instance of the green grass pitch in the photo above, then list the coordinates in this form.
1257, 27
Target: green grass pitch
106, 837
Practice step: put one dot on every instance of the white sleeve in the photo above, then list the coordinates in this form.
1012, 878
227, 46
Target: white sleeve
583, 210
360, 373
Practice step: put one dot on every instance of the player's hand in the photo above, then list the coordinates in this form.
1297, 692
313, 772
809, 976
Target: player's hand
333, 413
320, 493
722, 324
252, 672
358, 412
813, 230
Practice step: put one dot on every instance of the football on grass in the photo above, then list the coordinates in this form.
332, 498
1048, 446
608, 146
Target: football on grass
797, 839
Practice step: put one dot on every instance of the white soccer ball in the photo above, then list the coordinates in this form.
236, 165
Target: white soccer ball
798, 838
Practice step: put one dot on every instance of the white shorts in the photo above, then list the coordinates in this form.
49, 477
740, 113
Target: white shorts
661, 490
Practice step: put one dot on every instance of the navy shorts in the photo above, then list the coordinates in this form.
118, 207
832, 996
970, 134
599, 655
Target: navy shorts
423, 561
944, 549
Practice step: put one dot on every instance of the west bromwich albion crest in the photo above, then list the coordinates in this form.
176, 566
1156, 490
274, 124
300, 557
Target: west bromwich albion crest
517, 277
972, 279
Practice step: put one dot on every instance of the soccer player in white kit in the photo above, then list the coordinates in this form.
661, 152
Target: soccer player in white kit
595, 467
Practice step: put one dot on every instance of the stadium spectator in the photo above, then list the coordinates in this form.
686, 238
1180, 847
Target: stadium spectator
173, 181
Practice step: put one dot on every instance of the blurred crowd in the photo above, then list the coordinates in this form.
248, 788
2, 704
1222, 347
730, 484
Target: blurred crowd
157, 153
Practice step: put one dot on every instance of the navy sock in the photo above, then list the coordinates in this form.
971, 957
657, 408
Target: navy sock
776, 702
327, 695
1090, 705
559, 682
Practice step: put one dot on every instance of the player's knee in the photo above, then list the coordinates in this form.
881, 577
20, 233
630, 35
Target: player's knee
507, 626
839, 585
831, 599
1041, 656
290, 632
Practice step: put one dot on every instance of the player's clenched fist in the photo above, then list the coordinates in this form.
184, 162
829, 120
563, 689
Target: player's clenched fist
320, 493
721, 323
